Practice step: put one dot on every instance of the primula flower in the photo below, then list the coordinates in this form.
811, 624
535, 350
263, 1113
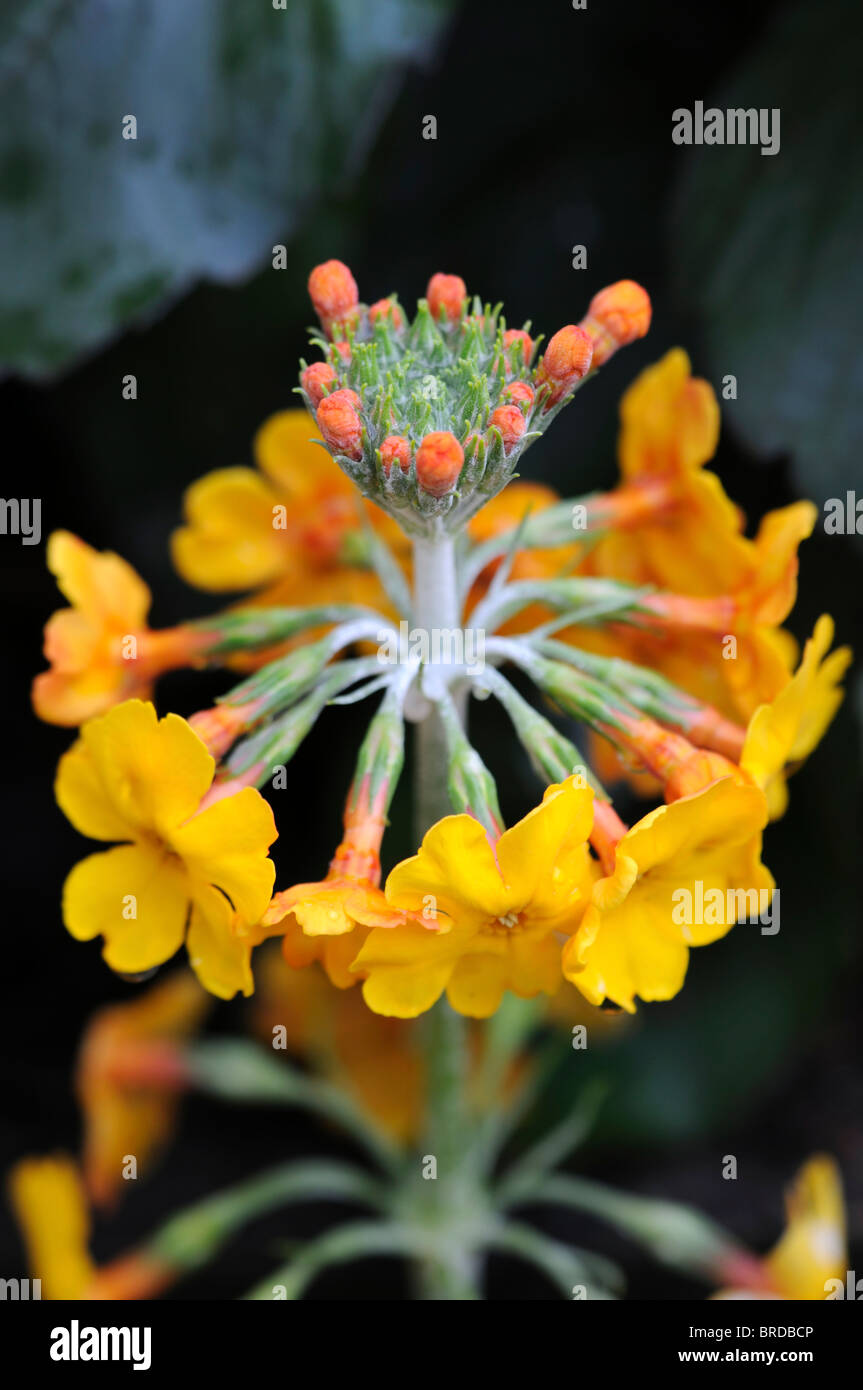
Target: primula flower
811, 1259
100, 649
129, 1075
327, 920
182, 872
784, 733
50, 1205
499, 911
285, 530
628, 942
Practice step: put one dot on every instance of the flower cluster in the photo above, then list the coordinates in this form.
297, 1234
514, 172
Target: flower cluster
645, 613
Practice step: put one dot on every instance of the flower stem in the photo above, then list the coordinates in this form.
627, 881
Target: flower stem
442, 1203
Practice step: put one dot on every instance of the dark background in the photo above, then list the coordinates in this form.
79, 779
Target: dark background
553, 130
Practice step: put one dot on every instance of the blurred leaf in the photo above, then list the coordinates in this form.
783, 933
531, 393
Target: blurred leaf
245, 113
768, 247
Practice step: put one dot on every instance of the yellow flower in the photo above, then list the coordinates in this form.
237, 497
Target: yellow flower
100, 649
498, 909
785, 732
673, 524
283, 529
49, 1203
634, 937
134, 778
130, 1073
810, 1261
813, 1248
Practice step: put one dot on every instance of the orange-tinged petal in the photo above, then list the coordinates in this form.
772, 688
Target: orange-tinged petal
669, 419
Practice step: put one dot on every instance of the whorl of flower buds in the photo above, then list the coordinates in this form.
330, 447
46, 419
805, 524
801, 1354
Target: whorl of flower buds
618, 315
565, 362
519, 393
339, 423
334, 294
316, 381
446, 295
395, 449
510, 421
438, 462
519, 335
383, 309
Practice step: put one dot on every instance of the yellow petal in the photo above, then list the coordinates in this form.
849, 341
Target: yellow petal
407, 968
221, 959
101, 585
84, 800
229, 540
456, 868
530, 853
137, 897
48, 1200
284, 451
227, 844
814, 1246
154, 772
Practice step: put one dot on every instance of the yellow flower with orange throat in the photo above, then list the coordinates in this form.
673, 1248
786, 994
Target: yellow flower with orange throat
499, 909
636, 933
180, 872
100, 649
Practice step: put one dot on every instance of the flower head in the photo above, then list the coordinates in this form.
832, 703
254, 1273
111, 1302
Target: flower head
180, 873
643, 914
498, 908
100, 649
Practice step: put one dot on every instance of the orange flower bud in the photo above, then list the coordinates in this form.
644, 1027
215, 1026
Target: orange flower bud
446, 295
386, 309
510, 421
316, 381
395, 449
344, 350
339, 423
565, 362
439, 462
333, 291
519, 393
518, 335
617, 315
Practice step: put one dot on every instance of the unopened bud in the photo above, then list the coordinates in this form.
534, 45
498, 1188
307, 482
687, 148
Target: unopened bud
334, 294
519, 393
384, 309
566, 360
395, 449
439, 461
617, 315
343, 349
446, 295
339, 423
510, 421
316, 381
519, 335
